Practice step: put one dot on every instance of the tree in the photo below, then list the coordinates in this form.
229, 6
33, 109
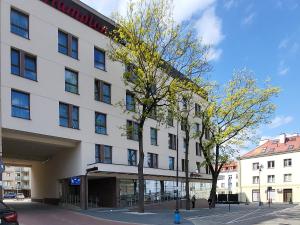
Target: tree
156, 53
230, 117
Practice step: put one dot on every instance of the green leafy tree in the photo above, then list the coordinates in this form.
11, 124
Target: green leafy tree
156, 53
230, 117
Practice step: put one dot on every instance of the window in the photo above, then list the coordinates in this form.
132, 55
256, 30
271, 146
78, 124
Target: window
103, 154
132, 130
170, 118
68, 115
102, 91
255, 166
132, 157
184, 103
222, 185
184, 124
287, 177
183, 164
171, 163
20, 104
100, 123
152, 160
271, 164
99, 59
206, 134
197, 127
184, 145
71, 81
153, 134
23, 64
130, 102
153, 113
19, 23
271, 178
197, 109
287, 162
172, 142
236, 184
198, 149
130, 75
198, 164
255, 179
67, 44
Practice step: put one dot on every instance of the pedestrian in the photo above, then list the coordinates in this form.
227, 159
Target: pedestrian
209, 202
193, 201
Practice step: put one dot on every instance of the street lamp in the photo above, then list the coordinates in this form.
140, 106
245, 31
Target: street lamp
260, 167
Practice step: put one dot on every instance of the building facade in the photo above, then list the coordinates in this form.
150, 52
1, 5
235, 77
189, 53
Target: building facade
16, 180
270, 171
59, 96
228, 180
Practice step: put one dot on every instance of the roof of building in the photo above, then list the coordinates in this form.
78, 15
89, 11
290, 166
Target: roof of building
282, 145
232, 166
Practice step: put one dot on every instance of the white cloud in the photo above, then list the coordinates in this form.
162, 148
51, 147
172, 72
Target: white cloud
228, 4
248, 19
280, 121
283, 69
208, 25
184, 11
284, 43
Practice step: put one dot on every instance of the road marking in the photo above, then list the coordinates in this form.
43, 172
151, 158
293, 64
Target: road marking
233, 221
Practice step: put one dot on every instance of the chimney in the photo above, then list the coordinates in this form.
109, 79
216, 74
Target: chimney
262, 141
282, 138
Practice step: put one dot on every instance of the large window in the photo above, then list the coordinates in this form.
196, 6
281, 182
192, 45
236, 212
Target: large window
172, 141
153, 134
100, 123
130, 102
198, 165
102, 91
271, 164
170, 118
171, 163
255, 166
287, 177
68, 115
132, 130
152, 160
67, 44
198, 149
103, 154
20, 104
197, 109
132, 157
71, 81
23, 64
99, 59
271, 178
19, 23
287, 162
255, 179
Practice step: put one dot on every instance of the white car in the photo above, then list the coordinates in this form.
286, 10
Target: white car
20, 196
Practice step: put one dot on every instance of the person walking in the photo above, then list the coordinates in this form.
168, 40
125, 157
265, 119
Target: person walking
193, 201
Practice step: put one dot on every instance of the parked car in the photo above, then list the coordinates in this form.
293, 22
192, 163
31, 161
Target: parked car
20, 196
10, 195
8, 216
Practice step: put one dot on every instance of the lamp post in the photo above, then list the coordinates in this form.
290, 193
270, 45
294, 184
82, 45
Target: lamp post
260, 167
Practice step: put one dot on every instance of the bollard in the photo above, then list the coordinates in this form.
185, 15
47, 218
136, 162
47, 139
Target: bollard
177, 217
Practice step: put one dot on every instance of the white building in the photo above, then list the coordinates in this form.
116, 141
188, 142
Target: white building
271, 171
228, 180
58, 108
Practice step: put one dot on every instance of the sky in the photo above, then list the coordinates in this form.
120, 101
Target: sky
262, 36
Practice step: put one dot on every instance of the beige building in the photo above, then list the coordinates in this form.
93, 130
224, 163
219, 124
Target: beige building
59, 92
16, 180
271, 171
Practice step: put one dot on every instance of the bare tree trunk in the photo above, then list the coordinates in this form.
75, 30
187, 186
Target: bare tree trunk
141, 168
187, 182
213, 191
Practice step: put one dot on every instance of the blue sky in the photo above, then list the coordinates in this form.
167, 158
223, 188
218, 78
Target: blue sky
263, 36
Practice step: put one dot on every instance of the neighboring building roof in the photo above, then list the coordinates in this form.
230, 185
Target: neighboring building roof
282, 145
230, 167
